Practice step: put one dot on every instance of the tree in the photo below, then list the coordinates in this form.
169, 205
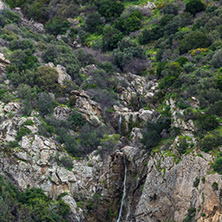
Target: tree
194, 6
111, 38
109, 9
93, 22
47, 78
193, 40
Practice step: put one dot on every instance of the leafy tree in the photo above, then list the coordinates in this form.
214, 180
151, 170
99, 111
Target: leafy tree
170, 9
93, 22
57, 26
126, 51
111, 38
218, 165
130, 24
193, 40
194, 6
109, 9
47, 79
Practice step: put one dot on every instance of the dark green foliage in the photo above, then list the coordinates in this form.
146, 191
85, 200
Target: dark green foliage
20, 61
30, 205
170, 9
152, 132
215, 186
93, 22
190, 215
216, 61
148, 35
46, 78
67, 162
183, 145
193, 40
22, 132
77, 119
130, 24
21, 44
109, 9
196, 182
45, 104
7, 17
218, 165
84, 58
194, 6
127, 51
111, 38
57, 26
210, 142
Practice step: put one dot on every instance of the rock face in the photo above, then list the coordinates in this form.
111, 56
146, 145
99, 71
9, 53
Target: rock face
63, 76
90, 110
161, 186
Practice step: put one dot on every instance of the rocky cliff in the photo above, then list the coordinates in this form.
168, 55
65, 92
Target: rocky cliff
169, 181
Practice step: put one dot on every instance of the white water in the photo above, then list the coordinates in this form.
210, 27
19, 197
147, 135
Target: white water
120, 124
124, 190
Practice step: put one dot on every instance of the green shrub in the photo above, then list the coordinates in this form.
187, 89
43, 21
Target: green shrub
111, 38
130, 24
210, 142
215, 186
109, 9
148, 35
28, 122
218, 165
193, 40
93, 22
47, 79
190, 215
57, 26
183, 145
194, 6
196, 182
170, 9
152, 132
77, 119
21, 44
22, 132
127, 51
45, 104
217, 59
67, 162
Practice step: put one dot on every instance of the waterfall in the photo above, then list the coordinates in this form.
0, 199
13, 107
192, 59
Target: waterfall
124, 190
120, 124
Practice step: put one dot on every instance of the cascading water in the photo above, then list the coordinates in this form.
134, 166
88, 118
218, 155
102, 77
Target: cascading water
120, 124
124, 190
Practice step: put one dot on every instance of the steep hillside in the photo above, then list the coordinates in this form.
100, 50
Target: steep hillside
110, 111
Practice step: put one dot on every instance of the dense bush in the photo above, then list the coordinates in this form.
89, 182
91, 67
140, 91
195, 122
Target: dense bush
47, 79
218, 165
216, 61
126, 52
130, 24
21, 44
148, 35
152, 132
30, 205
170, 9
93, 22
194, 6
111, 38
57, 26
193, 40
109, 9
